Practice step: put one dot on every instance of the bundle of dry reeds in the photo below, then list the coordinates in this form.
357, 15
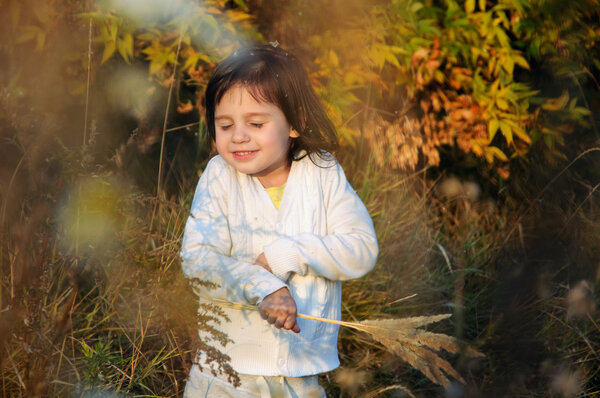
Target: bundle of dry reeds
404, 338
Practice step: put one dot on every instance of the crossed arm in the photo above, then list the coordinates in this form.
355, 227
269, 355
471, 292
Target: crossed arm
279, 307
347, 251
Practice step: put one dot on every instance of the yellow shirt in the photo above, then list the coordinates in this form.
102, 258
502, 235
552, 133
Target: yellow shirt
276, 194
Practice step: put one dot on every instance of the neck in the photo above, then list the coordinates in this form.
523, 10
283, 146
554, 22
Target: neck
275, 178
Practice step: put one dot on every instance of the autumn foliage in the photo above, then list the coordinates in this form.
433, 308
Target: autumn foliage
101, 109
412, 77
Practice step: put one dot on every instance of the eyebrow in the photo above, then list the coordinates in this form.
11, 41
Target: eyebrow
245, 115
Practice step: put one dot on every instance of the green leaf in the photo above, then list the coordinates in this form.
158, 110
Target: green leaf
522, 62
416, 7
241, 4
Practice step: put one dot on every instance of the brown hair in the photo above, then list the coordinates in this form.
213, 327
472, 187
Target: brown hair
275, 76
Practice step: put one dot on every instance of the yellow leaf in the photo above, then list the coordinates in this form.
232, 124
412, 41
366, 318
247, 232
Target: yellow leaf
333, 59
113, 29
492, 66
121, 50
507, 132
482, 5
237, 16
191, 60
146, 36
522, 134
522, 62
378, 57
497, 153
492, 128
502, 104
439, 76
508, 65
469, 6
129, 44
109, 50
555, 104
494, 86
489, 155
416, 7
475, 148
155, 67
391, 58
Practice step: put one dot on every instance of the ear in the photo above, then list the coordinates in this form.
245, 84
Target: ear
294, 133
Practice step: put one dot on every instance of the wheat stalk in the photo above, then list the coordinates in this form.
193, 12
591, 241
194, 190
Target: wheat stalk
402, 337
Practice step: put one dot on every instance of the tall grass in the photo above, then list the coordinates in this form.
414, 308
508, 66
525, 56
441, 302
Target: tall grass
94, 301
485, 259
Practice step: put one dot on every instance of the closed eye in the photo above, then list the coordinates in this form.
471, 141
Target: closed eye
226, 127
257, 125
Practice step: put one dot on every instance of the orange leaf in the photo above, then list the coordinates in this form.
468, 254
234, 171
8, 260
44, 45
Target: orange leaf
185, 107
418, 56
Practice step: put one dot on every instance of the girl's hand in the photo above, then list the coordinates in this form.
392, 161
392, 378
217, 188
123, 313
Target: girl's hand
262, 261
279, 309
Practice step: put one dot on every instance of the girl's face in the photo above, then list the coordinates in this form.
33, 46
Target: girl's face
254, 137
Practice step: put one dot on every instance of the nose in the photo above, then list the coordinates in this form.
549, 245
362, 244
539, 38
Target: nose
239, 135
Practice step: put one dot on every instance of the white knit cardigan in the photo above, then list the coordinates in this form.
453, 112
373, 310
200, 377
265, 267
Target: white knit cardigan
322, 234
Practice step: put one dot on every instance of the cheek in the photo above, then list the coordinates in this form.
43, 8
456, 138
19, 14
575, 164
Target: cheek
276, 140
221, 144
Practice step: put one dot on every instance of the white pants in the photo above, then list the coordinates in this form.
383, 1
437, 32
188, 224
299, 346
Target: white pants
205, 385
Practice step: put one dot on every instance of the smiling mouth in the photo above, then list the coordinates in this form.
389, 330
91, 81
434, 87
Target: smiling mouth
243, 155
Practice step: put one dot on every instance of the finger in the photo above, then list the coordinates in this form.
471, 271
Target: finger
278, 324
262, 312
271, 319
290, 322
295, 327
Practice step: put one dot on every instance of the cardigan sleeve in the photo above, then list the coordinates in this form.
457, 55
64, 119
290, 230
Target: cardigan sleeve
348, 250
206, 250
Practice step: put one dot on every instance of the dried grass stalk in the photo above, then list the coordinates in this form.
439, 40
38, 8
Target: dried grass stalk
402, 337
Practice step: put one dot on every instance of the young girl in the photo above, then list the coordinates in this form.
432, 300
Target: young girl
273, 223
